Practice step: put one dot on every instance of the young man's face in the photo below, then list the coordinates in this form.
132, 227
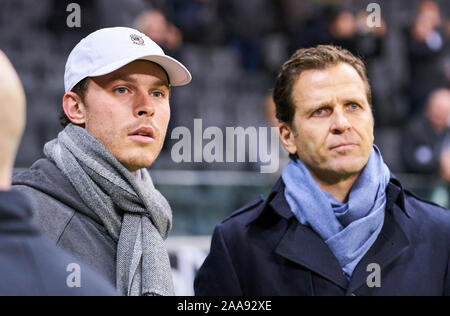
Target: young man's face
333, 122
128, 112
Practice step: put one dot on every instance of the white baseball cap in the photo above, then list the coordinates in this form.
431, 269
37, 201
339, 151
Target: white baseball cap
106, 50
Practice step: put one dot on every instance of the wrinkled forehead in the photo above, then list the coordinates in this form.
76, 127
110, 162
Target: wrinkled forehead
333, 83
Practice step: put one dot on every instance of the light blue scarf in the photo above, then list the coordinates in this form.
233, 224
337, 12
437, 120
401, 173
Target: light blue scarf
349, 229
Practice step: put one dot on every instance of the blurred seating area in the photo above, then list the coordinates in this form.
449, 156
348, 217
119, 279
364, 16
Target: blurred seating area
234, 49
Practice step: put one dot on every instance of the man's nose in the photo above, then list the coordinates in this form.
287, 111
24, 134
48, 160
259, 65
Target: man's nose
340, 123
144, 106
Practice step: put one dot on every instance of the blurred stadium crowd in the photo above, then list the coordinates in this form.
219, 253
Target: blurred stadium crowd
234, 50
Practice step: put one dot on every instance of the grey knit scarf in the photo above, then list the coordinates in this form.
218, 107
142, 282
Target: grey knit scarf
135, 214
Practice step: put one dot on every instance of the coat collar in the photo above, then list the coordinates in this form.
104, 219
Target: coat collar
277, 202
301, 245
395, 195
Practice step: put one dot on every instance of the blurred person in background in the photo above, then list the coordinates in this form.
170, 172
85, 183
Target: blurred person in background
353, 33
445, 157
155, 25
426, 42
445, 165
92, 194
340, 26
30, 264
423, 142
337, 222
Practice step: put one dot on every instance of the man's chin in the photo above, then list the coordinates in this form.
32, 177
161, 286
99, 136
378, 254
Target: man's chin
347, 170
134, 165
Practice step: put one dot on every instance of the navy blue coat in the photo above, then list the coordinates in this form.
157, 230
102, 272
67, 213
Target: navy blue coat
31, 265
262, 250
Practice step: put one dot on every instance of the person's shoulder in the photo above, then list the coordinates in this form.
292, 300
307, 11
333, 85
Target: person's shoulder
246, 211
427, 213
54, 201
42, 181
253, 210
42, 172
429, 205
51, 215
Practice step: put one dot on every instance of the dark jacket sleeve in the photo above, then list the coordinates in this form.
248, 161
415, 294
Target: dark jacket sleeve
217, 276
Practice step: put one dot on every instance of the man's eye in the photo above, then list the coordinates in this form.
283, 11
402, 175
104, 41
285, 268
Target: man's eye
354, 106
121, 90
320, 112
157, 94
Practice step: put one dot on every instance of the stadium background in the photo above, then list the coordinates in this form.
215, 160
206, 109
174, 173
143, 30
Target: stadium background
234, 50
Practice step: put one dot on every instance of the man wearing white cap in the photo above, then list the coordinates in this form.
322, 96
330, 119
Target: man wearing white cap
92, 194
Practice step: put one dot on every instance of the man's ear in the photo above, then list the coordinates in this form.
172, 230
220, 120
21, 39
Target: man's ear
287, 136
74, 108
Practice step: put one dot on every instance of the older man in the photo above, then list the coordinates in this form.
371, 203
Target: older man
338, 222
30, 263
92, 194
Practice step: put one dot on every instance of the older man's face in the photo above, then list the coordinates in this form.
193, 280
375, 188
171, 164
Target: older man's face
128, 112
333, 122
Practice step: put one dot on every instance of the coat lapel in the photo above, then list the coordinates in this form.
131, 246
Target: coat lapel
390, 244
301, 245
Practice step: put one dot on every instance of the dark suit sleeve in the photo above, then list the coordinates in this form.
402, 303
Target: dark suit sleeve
217, 276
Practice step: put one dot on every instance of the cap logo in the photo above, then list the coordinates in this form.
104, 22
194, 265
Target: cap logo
138, 40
